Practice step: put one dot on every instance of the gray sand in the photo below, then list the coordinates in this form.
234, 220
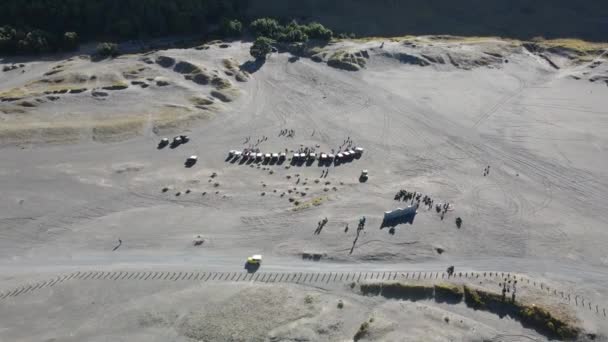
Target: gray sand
80, 172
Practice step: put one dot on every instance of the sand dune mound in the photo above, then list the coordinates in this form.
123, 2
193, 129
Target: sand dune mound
135, 72
220, 83
165, 62
201, 78
466, 61
186, 68
226, 95
232, 68
406, 58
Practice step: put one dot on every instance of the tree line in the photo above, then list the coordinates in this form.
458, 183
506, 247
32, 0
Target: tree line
42, 26
38, 26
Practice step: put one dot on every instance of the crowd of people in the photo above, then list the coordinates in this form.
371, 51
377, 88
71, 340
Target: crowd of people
258, 141
417, 199
405, 196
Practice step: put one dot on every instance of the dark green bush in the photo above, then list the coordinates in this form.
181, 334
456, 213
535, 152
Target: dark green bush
232, 28
8, 39
107, 49
70, 41
266, 27
293, 33
317, 31
37, 41
261, 47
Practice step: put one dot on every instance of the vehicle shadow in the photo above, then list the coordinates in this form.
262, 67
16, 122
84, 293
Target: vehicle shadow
251, 268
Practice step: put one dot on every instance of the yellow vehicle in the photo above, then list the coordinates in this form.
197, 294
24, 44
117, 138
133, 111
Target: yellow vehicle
255, 259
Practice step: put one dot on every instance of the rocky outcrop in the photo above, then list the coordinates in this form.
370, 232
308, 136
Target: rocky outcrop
350, 61
406, 58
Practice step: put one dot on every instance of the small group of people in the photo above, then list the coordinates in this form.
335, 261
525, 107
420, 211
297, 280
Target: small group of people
306, 149
442, 209
361, 224
324, 173
404, 195
320, 226
346, 144
486, 171
290, 133
251, 148
258, 141
360, 227
506, 288
261, 140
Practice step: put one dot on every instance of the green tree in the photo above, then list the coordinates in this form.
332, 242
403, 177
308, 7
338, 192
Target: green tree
8, 40
317, 31
232, 28
107, 49
70, 41
36, 41
265, 27
261, 47
293, 33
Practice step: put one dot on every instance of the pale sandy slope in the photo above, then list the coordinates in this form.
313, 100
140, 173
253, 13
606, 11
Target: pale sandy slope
431, 129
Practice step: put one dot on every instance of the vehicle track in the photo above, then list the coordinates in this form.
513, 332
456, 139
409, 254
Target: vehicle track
498, 105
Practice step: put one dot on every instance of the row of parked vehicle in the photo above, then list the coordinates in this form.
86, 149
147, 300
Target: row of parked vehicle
329, 157
297, 156
259, 156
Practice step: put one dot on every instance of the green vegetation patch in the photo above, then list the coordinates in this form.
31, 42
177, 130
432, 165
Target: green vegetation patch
398, 290
317, 201
533, 316
448, 293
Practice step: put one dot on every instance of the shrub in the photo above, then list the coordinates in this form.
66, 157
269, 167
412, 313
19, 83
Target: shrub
308, 299
8, 39
317, 31
265, 27
472, 298
293, 33
407, 291
293, 36
232, 28
447, 292
70, 41
261, 47
36, 41
107, 49
340, 304
543, 321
